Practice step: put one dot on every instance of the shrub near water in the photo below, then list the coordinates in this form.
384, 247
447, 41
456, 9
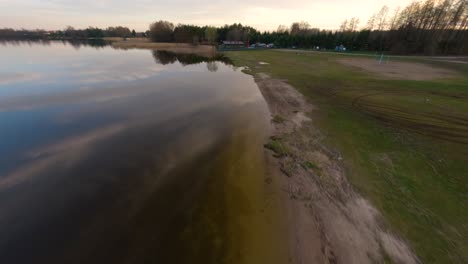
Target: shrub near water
277, 147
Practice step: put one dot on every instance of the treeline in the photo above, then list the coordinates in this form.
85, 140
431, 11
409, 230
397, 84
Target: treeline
9, 33
94, 32
70, 33
427, 27
164, 31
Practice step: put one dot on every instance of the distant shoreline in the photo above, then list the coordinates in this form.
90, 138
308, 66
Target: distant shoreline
181, 48
203, 50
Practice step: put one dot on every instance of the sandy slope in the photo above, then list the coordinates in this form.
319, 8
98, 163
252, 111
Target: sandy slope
329, 221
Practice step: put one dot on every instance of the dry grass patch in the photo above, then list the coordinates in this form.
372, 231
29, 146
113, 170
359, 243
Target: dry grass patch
180, 48
398, 70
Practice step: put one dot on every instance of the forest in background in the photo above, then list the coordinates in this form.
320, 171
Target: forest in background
69, 33
427, 27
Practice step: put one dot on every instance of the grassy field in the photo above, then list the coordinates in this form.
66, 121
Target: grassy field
404, 143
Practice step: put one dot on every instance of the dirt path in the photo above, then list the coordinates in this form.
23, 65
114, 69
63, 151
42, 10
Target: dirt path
329, 221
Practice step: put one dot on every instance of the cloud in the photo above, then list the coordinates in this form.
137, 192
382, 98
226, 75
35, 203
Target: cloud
66, 152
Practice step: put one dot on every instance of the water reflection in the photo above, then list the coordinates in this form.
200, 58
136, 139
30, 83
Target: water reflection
77, 44
164, 57
167, 57
107, 157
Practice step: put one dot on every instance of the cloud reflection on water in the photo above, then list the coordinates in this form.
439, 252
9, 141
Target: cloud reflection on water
143, 133
6, 79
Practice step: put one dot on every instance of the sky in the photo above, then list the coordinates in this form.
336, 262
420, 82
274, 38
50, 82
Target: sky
138, 14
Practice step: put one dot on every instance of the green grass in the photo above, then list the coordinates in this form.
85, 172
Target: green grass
277, 147
312, 166
404, 143
278, 119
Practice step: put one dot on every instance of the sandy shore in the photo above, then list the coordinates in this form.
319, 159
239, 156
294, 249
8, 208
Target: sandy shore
329, 222
184, 48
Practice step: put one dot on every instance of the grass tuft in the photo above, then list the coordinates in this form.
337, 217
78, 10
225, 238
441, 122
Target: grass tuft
312, 166
278, 119
277, 147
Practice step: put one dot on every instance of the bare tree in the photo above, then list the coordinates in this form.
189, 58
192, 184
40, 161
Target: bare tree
353, 24
371, 23
300, 28
381, 18
394, 20
282, 29
344, 25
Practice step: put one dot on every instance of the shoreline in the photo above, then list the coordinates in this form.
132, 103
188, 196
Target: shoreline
181, 48
328, 221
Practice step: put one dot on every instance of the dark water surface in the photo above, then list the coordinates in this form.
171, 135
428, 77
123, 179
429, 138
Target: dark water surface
113, 156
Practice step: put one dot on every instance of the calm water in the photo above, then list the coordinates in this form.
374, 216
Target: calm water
113, 156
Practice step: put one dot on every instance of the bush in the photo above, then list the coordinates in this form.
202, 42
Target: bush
161, 31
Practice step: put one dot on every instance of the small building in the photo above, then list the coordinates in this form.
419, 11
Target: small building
233, 44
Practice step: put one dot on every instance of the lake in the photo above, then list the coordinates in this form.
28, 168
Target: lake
130, 156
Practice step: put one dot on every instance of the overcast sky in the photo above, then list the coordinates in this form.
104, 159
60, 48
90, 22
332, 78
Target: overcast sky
137, 14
